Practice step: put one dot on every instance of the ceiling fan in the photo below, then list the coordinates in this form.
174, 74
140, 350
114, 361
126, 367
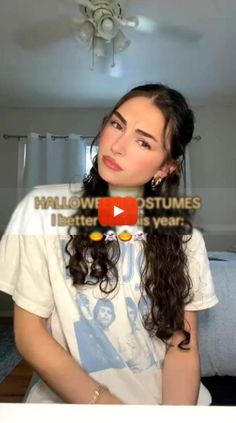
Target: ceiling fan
103, 24
101, 27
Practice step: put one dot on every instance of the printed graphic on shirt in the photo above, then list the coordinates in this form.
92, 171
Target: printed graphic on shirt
131, 261
103, 346
133, 346
96, 351
115, 339
144, 306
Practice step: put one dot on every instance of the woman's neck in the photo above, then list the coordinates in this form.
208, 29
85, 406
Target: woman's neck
122, 191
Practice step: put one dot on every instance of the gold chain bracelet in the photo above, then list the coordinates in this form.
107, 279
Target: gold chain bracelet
97, 393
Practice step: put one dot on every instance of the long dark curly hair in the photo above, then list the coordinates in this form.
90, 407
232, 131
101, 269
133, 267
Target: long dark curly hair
164, 275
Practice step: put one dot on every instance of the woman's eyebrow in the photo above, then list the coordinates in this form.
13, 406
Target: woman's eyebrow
140, 131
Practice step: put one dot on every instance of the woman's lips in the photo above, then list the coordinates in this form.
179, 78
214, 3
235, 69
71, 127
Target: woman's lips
111, 163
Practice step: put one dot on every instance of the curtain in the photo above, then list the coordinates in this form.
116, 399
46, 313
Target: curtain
50, 160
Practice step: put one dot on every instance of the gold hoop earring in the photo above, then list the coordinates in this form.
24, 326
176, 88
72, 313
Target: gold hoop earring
155, 182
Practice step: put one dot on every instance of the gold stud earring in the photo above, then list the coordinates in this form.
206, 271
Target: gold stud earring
155, 182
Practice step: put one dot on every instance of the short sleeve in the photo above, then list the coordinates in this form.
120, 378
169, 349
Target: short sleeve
24, 270
203, 289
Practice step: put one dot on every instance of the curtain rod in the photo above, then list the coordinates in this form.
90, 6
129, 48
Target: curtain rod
6, 137
54, 137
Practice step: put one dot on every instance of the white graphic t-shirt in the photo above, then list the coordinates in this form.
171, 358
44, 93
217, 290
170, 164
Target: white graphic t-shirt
104, 333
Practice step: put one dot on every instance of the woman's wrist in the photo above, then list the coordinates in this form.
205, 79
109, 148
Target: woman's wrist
98, 393
102, 395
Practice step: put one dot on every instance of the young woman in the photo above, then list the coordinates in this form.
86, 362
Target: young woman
112, 321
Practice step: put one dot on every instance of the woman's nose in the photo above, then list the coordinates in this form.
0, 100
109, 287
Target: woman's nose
120, 144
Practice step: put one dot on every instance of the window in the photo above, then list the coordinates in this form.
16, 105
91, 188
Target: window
88, 161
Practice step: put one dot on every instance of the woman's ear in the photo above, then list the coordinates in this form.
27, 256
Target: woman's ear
168, 168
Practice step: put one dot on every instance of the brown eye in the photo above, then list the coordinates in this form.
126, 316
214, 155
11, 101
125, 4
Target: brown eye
116, 124
145, 144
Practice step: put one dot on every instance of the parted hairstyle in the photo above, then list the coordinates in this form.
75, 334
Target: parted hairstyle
164, 275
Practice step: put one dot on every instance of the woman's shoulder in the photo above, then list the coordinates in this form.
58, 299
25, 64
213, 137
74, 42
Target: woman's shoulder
194, 242
44, 197
58, 189
33, 213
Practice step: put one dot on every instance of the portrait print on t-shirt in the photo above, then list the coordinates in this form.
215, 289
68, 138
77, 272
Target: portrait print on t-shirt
95, 349
106, 340
133, 345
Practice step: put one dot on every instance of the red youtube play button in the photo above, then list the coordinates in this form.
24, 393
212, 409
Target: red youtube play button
117, 211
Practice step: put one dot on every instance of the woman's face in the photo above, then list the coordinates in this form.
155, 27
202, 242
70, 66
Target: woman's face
104, 316
133, 138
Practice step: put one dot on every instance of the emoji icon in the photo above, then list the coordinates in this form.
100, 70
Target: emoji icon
110, 236
96, 236
139, 236
125, 236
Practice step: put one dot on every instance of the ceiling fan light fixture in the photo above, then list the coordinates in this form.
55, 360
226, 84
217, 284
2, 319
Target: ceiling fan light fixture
99, 46
86, 31
107, 28
121, 42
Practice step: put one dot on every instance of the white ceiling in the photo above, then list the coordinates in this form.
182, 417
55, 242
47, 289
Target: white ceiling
36, 74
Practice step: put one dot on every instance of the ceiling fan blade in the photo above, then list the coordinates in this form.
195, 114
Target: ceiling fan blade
174, 32
45, 33
122, 3
180, 34
86, 3
145, 24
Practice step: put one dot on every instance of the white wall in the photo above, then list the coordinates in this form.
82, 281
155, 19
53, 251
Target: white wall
213, 162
